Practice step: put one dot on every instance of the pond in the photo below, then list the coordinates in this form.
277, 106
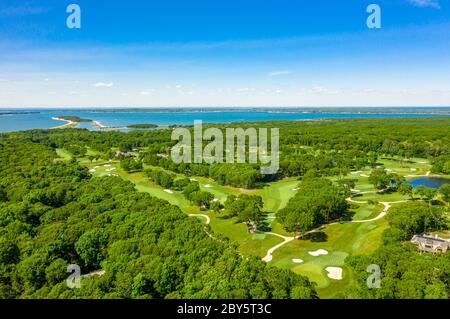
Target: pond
432, 182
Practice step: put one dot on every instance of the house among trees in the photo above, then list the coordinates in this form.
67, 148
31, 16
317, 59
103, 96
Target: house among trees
431, 244
121, 154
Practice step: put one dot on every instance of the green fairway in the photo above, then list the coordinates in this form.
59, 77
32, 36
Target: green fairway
276, 195
340, 241
381, 197
249, 244
65, 155
366, 211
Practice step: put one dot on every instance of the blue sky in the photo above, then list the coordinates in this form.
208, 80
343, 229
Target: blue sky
224, 53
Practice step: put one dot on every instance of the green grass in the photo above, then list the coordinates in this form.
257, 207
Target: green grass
366, 211
340, 241
63, 154
381, 197
249, 244
277, 194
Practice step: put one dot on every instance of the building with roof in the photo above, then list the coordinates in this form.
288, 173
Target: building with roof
431, 244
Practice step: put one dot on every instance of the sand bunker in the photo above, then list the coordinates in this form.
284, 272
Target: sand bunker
318, 252
413, 169
364, 175
297, 261
192, 179
168, 191
207, 186
215, 200
334, 273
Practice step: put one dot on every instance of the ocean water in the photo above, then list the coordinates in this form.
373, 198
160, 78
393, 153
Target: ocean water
42, 119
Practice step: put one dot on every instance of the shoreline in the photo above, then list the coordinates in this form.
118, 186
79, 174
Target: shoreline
99, 125
69, 124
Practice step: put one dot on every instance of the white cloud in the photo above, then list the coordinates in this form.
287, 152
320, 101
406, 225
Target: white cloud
280, 72
146, 93
426, 3
104, 85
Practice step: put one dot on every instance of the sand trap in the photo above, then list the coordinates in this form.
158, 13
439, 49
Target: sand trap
413, 169
168, 191
318, 252
207, 186
107, 165
215, 200
295, 189
92, 170
192, 179
422, 162
334, 273
297, 261
364, 175
357, 172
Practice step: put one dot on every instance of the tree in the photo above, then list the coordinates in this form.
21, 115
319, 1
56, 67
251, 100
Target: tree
445, 192
130, 165
379, 178
56, 272
316, 202
406, 189
3, 195
247, 208
216, 206
202, 199
9, 252
91, 247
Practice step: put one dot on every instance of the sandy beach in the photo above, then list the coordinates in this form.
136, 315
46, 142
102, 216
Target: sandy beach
69, 124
